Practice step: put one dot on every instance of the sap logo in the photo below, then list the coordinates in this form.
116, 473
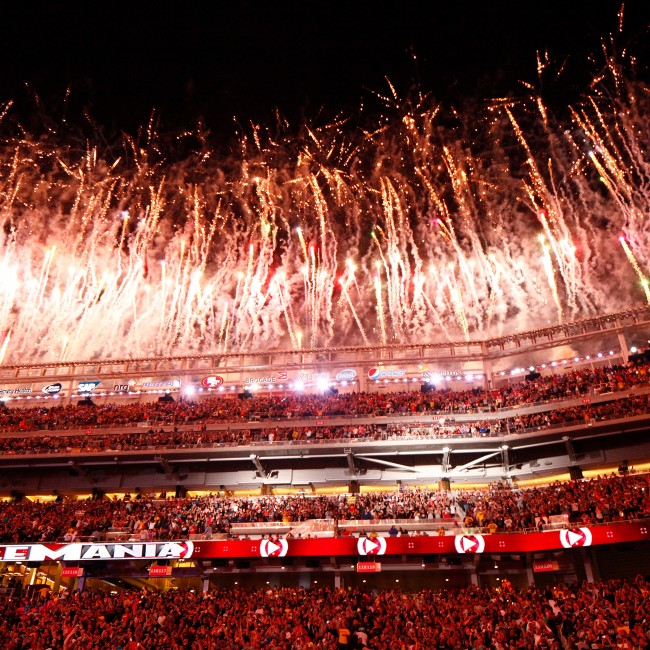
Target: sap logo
88, 386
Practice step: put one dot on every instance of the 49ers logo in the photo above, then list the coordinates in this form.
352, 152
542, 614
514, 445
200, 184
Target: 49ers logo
469, 543
575, 537
274, 548
368, 546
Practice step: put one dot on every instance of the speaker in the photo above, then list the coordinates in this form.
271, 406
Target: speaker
444, 485
166, 398
575, 473
86, 401
532, 376
181, 491
245, 395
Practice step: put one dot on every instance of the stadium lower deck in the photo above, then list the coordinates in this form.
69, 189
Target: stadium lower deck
437, 438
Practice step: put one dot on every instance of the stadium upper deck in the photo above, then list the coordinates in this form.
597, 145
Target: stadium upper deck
604, 339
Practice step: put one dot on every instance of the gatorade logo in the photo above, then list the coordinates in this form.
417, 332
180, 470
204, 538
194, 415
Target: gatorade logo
274, 548
469, 543
367, 546
575, 537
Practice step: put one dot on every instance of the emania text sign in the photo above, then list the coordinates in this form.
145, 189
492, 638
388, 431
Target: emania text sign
77, 552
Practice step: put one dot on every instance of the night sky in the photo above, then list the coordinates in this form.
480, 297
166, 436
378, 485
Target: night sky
226, 62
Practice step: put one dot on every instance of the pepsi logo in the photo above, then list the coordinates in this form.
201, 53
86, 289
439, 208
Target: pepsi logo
575, 537
368, 546
380, 373
213, 381
469, 543
274, 547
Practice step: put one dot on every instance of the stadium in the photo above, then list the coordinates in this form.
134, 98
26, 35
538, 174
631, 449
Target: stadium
379, 381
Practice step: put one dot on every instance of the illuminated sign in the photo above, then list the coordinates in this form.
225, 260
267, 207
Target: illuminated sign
280, 375
368, 546
469, 543
544, 567
87, 386
72, 572
575, 537
15, 391
314, 376
53, 389
213, 381
382, 373
76, 552
274, 548
159, 571
168, 383
349, 374
368, 567
432, 374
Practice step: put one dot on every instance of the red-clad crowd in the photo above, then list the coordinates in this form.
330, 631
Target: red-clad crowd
212, 409
318, 432
498, 508
587, 616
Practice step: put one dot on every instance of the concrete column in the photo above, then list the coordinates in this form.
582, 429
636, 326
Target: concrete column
625, 352
338, 583
591, 566
530, 574
473, 577
205, 584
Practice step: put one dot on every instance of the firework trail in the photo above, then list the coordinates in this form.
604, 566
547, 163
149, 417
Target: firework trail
425, 226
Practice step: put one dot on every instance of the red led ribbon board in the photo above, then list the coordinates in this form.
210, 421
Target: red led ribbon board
369, 548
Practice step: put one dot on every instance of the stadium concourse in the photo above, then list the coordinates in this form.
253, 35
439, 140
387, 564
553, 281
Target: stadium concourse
332, 499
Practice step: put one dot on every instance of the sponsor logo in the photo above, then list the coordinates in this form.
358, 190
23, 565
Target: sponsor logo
274, 548
168, 383
432, 374
53, 389
469, 543
280, 375
15, 391
346, 375
314, 376
213, 381
367, 546
575, 537
76, 552
87, 386
381, 373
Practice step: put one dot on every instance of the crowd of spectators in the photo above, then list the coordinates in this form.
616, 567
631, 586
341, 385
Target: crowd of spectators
213, 408
318, 432
587, 616
499, 508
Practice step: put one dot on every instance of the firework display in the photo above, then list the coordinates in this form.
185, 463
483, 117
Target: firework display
428, 224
